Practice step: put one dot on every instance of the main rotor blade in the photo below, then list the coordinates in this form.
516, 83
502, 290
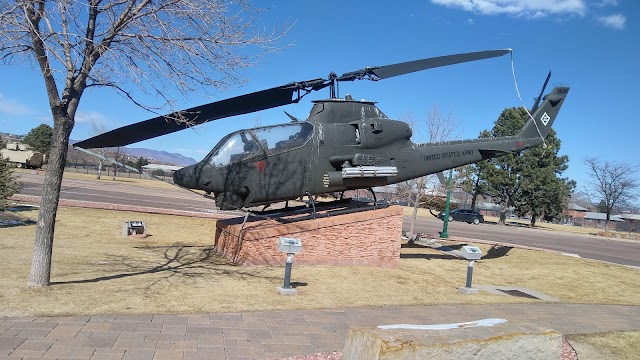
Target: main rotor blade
387, 71
262, 100
167, 124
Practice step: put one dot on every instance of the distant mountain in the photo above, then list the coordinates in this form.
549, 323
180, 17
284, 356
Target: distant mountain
161, 156
154, 156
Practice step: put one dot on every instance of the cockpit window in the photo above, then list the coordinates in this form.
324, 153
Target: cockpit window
277, 139
236, 148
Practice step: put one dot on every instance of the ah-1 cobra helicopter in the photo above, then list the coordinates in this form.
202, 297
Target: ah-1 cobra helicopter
343, 144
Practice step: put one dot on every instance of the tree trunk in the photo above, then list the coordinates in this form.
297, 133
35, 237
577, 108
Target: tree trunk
473, 200
475, 193
533, 220
99, 169
40, 274
503, 217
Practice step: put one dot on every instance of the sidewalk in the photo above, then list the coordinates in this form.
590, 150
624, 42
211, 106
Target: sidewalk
269, 334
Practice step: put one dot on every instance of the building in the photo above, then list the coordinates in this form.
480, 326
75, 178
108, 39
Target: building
168, 169
598, 220
631, 223
574, 215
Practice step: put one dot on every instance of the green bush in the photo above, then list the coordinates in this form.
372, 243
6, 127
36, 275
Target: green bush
157, 172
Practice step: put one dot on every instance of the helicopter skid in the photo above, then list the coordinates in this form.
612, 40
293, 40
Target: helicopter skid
321, 210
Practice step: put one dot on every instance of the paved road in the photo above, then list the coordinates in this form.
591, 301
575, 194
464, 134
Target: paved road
588, 246
117, 192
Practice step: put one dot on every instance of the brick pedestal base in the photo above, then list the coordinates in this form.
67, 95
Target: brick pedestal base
369, 238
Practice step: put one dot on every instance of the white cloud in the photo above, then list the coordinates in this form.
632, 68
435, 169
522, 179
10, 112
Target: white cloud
530, 8
616, 21
92, 117
13, 107
471, 21
605, 3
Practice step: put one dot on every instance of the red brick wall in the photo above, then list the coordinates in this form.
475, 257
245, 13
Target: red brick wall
575, 216
365, 238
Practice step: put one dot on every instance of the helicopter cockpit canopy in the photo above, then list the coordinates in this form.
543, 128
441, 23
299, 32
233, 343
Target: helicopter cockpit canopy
269, 140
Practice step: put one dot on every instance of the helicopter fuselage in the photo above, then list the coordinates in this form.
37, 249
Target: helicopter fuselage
343, 144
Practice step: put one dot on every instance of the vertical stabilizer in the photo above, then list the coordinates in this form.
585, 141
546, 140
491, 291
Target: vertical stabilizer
545, 115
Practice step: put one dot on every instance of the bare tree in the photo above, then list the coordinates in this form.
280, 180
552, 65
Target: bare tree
155, 46
440, 127
612, 184
97, 129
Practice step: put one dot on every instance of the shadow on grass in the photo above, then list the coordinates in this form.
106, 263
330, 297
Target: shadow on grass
8, 219
429, 256
451, 247
411, 245
496, 252
18, 208
187, 262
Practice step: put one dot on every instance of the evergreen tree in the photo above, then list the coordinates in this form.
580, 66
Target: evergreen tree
543, 192
140, 163
40, 138
470, 181
528, 181
8, 184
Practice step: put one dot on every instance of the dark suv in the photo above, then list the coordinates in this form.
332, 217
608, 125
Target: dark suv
466, 215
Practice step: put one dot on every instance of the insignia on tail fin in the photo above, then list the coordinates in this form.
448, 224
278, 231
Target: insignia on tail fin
544, 115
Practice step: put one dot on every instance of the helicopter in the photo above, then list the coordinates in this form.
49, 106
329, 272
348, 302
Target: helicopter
344, 144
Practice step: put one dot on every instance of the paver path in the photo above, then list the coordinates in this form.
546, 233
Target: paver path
268, 334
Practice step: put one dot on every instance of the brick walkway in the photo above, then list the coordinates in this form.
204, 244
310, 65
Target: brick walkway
268, 334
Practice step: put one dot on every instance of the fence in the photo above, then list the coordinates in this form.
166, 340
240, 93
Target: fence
107, 171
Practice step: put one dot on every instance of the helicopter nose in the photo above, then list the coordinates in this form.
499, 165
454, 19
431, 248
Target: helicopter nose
186, 177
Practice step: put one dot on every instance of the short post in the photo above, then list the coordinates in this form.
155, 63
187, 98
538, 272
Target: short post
288, 246
471, 253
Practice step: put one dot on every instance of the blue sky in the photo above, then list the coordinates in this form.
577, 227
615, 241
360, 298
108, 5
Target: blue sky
591, 46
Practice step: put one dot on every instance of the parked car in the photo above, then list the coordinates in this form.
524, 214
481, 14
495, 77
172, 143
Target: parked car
466, 215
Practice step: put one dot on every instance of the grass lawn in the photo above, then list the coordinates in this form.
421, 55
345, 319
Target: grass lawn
96, 271
614, 345
106, 177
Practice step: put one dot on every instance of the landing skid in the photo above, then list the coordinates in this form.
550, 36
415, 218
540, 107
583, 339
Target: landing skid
319, 210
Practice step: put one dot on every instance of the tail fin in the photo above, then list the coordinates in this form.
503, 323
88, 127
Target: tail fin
544, 116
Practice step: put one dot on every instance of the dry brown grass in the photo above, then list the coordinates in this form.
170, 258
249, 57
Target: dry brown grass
96, 271
144, 182
613, 345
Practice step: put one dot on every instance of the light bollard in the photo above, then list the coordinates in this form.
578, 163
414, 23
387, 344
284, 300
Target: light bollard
469, 273
471, 253
289, 246
287, 271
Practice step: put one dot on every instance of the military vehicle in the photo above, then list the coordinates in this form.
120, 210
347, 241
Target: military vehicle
343, 144
22, 156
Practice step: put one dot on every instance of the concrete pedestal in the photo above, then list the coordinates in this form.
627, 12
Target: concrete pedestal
466, 290
286, 291
370, 238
